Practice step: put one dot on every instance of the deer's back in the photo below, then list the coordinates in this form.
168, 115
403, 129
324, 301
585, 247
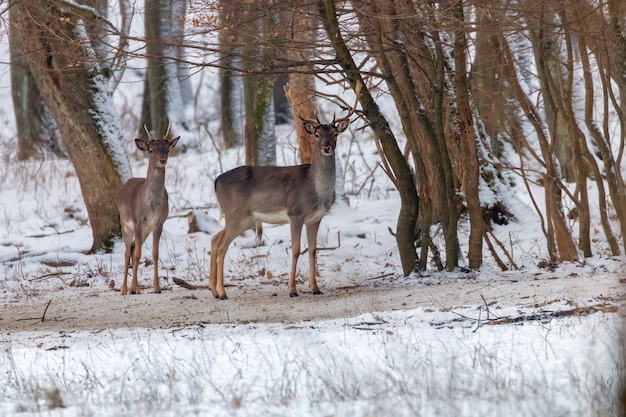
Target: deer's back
266, 190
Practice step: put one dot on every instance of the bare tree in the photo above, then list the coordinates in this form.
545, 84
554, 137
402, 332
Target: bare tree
59, 55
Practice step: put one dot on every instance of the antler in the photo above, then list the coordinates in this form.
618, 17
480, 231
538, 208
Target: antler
351, 109
167, 132
150, 137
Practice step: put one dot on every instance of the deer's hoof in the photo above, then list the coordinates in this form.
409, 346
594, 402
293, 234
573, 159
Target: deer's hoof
293, 294
317, 292
223, 297
158, 292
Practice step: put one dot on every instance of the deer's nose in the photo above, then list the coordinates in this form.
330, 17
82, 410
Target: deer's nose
327, 149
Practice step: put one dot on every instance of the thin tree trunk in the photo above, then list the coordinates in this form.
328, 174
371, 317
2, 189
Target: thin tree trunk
231, 84
554, 206
407, 218
155, 95
471, 170
258, 92
596, 134
162, 98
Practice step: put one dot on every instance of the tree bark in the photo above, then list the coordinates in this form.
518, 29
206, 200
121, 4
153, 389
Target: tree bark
74, 89
302, 84
36, 130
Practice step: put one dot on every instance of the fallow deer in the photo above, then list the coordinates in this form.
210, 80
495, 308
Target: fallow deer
298, 195
143, 206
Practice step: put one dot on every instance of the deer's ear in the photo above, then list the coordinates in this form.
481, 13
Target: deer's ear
309, 127
142, 144
342, 125
173, 142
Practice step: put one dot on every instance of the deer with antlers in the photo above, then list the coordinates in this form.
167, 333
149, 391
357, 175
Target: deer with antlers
143, 206
300, 195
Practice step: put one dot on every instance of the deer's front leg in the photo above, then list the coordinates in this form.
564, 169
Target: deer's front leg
156, 236
311, 235
213, 271
127, 253
296, 233
219, 246
136, 253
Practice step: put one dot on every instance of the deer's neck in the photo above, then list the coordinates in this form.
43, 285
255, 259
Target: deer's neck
324, 176
155, 180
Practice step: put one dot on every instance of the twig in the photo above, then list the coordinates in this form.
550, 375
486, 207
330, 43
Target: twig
486, 305
185, 284
380, 276
492, 249
51, 275
43, 317
506, 252
327, 247
64, 232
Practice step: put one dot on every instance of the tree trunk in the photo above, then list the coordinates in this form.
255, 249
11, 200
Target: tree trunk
162, 97
155, 95
420, 95
260, 135
302, 84
596, 134
471, 170
76, 93
407, 217
36, 131
231, 84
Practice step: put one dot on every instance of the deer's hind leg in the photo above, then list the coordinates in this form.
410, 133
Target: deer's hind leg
215, 244
129, 246
136, 255
296, 234
127, 253
311, 235
156, 236
219, 246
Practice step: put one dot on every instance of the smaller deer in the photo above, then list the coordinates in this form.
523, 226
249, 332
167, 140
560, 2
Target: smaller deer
298, 195
143, 208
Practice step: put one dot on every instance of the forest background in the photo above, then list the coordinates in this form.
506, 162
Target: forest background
490, 96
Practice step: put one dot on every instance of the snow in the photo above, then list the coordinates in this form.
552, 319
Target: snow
431, 360
384, 363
